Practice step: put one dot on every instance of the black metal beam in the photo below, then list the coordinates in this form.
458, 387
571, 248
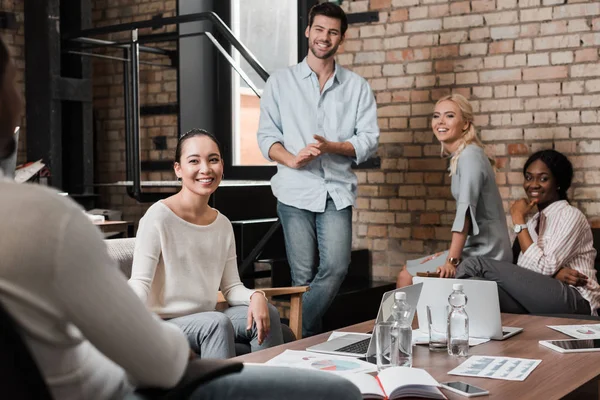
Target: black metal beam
217, 22
363, 17
93, 43
72, 89
159, 109
42, 60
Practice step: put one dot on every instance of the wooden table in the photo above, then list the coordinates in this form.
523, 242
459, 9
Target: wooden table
114, 227
555, 377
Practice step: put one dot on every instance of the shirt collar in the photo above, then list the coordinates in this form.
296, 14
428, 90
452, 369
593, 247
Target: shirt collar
304, 71
552, 209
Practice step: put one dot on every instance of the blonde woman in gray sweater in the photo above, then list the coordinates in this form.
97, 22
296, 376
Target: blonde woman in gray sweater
479, 227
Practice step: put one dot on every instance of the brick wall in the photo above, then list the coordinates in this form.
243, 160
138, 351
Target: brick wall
530, 68
157, 86
15, 39
531, 71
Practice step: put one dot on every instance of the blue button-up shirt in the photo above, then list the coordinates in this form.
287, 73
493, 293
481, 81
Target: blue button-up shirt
293, 109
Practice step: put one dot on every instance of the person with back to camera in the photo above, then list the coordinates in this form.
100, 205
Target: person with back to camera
88, 333
479, 226
316, 119
185, 252
555, 269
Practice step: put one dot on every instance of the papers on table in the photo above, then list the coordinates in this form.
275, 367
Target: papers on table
579, 331
322, 362
422, 337
506, 368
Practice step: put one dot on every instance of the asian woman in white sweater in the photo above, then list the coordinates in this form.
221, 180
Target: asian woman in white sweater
185, 253
89, 335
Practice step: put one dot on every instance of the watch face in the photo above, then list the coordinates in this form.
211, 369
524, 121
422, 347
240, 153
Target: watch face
518, 228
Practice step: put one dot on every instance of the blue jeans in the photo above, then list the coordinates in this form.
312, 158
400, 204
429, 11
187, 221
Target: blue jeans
318, 247
275, 383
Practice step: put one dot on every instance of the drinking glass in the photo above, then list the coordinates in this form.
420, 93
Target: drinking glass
437, 320
386, 345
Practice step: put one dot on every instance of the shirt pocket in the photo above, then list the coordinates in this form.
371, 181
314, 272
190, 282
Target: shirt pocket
342, 121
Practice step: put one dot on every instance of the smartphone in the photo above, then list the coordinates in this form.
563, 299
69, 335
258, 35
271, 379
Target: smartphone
465, 389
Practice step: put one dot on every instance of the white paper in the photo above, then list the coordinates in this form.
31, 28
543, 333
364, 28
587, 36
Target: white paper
422, 337
368, 385
322, 362
579, 331
24, 173
506, 368
337, 334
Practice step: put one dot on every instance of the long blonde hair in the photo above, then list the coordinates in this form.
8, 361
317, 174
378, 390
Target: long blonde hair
469, 135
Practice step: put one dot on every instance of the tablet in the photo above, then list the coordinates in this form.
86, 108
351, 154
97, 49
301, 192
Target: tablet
572, 345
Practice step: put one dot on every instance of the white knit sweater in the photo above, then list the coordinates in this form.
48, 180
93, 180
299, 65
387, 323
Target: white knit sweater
179, 267
90, 335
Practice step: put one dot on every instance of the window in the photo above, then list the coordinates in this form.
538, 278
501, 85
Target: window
269, 29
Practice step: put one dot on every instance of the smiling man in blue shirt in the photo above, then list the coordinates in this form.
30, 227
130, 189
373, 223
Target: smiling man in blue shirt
316, 118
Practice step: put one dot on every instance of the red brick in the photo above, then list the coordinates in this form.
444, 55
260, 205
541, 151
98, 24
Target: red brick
540, 73
399, 15
380, 4
505, 46
377, 231
419, 96
423, 232
429, 219
460, 7
444, 51
518, 148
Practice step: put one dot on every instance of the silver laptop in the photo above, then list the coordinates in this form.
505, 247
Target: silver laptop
360, 344
483, 307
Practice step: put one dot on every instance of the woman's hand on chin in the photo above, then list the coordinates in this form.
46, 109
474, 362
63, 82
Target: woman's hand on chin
258, 311
520, 209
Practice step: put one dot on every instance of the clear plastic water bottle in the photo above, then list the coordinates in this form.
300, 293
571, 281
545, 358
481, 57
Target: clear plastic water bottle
401, 312
458, 323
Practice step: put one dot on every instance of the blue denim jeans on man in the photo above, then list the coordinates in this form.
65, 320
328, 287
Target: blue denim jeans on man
318, 246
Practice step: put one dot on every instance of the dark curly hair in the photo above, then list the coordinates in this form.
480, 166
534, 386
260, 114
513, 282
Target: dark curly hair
559, 165
192, 133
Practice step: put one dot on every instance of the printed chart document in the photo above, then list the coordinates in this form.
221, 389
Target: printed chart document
396, 383
322, 362
506, 368
579, 331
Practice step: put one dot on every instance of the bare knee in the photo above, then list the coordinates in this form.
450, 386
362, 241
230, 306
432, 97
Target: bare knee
404, 278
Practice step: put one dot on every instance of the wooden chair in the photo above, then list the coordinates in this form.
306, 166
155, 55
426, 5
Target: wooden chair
121, 250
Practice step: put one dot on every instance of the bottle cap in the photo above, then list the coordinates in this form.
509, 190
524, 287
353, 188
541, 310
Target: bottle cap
400, 296
457, 286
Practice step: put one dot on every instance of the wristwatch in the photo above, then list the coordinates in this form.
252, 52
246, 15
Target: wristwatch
519, 227
453, 261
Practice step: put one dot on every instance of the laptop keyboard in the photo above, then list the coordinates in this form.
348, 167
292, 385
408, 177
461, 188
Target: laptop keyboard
360, 347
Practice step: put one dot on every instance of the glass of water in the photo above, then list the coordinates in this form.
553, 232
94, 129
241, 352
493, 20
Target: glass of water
437, 320
386, 345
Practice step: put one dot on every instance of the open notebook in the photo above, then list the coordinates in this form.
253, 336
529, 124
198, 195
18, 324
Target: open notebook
396, 383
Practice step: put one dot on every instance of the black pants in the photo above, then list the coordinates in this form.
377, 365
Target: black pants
522, 291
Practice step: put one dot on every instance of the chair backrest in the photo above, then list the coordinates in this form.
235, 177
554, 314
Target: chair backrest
121, 251
20, 375
596, 236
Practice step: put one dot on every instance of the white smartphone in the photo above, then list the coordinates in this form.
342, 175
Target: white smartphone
464, 389
572, 345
